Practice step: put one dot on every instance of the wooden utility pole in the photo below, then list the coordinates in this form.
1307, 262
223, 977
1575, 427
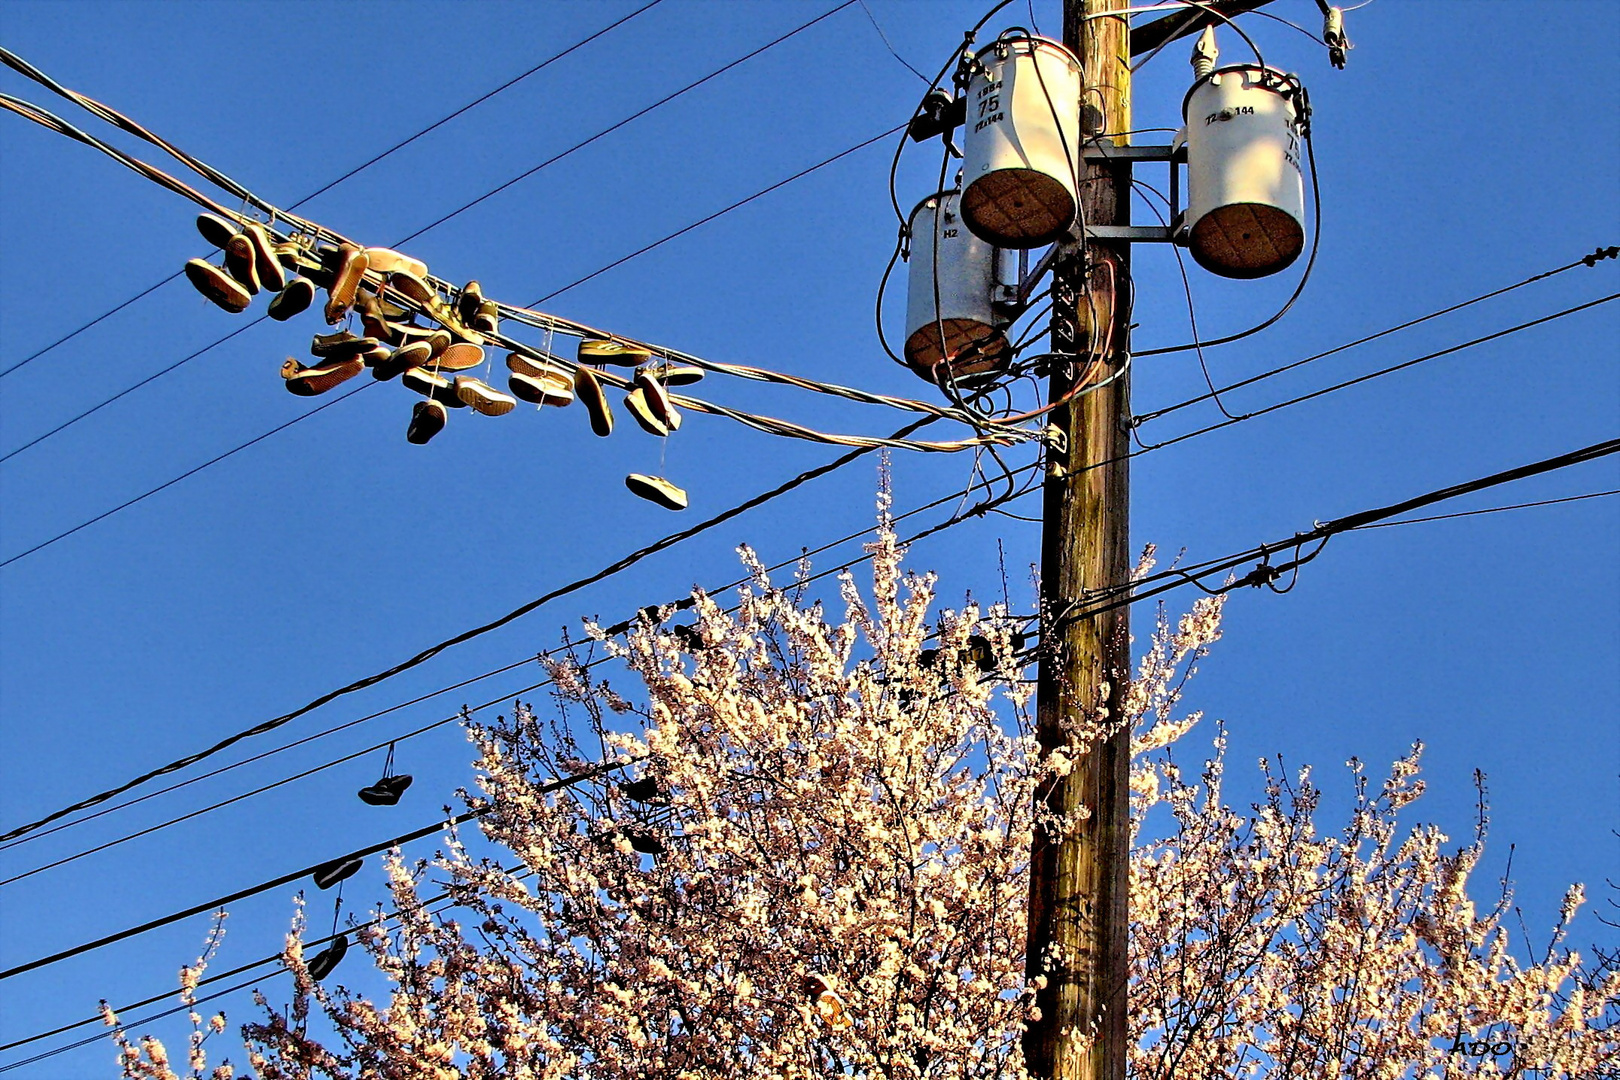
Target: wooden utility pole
1079, 876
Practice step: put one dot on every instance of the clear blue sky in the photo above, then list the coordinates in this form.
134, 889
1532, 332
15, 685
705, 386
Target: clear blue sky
1467, 146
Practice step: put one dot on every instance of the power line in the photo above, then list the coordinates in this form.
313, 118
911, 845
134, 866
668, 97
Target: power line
617, 628
1589, 260
216, 459
1493, 509
284, 879
333, 183
632, 117
428, 653
1376, 374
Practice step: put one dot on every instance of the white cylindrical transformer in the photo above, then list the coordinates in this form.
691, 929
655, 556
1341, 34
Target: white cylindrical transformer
1021, 142
1245, 192
960, 335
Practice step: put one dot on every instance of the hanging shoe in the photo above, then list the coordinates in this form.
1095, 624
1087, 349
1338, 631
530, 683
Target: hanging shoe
483, 397
676, 374
644, 790
400, 360
656, 489
272, 278
329, 874
438, 341
215, 229
293, 300
411, 286
372, 319
218, 286
328, 958
341, 345
657, 399
396, 783
459, 356
309, 381
469, 300
239, 263
487, 320
349, 267
292, 256
430, 384
588, 389
427, 420
385, 261
608, 351
540, 389
635, 402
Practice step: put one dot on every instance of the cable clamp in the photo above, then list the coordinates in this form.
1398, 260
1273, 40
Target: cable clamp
1600, 254
1333, 36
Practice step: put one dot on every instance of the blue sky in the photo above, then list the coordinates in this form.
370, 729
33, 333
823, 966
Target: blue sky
1467, 146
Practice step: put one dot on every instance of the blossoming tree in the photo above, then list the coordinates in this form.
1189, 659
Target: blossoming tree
815, 865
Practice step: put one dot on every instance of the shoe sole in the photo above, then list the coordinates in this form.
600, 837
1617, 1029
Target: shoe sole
399, 361
635, 403
483, 398
271, 275
589, 392
657, 399
215, 229
345, 283
539, 390
460, 356
218, 286
293, 300
318, 380
434, 387
426, 422
656, 490
385, 261
537, 369
239, 263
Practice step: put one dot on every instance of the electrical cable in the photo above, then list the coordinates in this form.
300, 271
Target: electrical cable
718, 213
887, 44
194, 470
330, 184
590, 773
666, 99
1381, 372
1494, 509
618, 628
1589, 260
285, 879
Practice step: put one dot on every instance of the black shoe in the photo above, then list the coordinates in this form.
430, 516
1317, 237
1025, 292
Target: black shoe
328, 958
385, 792
329, 874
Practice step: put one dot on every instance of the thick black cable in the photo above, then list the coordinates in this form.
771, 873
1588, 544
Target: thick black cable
666, 99
351, 173
1589, 260
127, 503
717, 214
433, 650
1493, 509
285, 879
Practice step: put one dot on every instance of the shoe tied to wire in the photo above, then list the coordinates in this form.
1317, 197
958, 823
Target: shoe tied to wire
341, 345
218, 286
384, 261
309, 381
459, 356
239, 262
385, 792
215, 229
400, 360
427, 420
635, 403
487, 320
483, 397
272, 277
430, 384
608, 351
469, 301
411, 286
673, 374
328, 958
349, 267
588, 389
329, 874
656, 489
539, 382
292, 300
657, 399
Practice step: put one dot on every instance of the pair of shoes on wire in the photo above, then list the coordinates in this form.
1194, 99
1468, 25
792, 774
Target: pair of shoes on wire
475, 311
321, 965
539, 382
385, 792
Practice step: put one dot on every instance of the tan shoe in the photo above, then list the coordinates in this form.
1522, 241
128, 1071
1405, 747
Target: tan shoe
459, 356
658, 402
215, 229
411, 286
309, 381
469, 300
272, 278
218, 286
636, 403
588, 389
400, 360
541, 389
487, 320
385, 261
427, 420
483, 397
599, 351
341, 345
239, 263
656, 489
430, 385
292, 300
676, 374
372, 319
350, 267
523, 364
